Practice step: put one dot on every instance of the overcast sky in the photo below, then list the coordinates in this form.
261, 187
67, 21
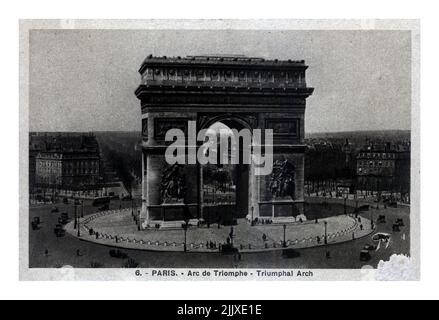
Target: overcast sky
84, 80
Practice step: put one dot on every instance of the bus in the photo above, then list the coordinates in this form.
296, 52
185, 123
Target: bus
99, 201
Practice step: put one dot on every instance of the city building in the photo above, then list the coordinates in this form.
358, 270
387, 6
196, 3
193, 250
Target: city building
67, 162
384, 168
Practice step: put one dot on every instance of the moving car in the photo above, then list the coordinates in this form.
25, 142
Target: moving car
228, 249
400, 222
365, 255
64, 218
59, 231
290, 253
381, 236
369, 247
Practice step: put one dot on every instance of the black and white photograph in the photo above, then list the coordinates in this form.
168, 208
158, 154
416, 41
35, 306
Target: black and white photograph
243, 153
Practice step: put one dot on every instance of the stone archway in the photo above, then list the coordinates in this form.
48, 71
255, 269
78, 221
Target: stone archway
244, 92
239, 175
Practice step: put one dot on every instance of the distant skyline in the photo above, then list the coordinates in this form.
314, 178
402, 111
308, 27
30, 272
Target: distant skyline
84, 80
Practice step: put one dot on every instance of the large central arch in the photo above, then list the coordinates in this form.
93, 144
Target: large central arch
240, 92
240, 176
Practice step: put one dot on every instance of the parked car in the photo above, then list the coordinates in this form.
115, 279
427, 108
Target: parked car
54, 209
104, 207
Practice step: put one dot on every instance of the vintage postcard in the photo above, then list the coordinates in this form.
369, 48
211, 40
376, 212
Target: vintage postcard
219, 150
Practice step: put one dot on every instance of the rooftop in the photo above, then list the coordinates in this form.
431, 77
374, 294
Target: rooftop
218, 59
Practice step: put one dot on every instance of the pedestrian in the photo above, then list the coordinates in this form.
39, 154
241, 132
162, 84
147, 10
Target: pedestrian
264, 237
78, 253
46, 252
328, 255
361, 227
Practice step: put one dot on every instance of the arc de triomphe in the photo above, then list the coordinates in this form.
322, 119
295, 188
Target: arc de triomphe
241, 92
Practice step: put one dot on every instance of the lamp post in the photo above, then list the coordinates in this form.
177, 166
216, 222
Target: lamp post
75, 225
185, 226
252, 222
344, 205
82, 208
284, 244
79, 228
326, 232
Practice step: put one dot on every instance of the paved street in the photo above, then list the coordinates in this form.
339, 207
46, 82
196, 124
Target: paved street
63, 251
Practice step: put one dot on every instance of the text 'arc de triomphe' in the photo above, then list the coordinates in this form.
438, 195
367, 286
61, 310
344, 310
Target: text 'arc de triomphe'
240, 92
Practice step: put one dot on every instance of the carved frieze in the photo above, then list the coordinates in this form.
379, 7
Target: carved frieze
151, 75
220, 99
282, 180
284, 127
173, 184
162, 125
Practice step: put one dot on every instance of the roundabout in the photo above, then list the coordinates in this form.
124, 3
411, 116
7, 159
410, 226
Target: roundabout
116, 228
